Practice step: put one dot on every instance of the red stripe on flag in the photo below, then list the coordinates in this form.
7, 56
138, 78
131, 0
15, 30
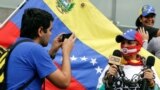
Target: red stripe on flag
74, 85
8, 34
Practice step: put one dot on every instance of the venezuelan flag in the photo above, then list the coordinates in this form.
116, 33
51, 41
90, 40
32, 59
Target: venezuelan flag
95, 39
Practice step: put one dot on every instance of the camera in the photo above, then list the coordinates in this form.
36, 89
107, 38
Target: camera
66, 36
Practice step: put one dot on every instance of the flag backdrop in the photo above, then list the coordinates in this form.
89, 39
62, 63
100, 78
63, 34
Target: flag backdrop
95, 40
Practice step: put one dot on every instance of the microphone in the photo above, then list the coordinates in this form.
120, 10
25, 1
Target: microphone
149, 63
115, 59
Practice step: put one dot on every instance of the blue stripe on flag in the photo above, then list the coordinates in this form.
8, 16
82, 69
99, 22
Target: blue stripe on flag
86, 64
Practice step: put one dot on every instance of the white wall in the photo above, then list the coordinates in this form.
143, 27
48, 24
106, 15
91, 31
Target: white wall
9, 3
125, 12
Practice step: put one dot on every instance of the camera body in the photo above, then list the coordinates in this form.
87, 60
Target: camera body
66, 36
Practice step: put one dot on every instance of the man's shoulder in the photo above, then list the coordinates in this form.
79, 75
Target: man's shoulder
28, 47
156, 39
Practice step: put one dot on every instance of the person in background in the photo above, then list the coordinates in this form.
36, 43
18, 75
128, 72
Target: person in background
154, 46
145, 23
147, 20
132, 65
30, 60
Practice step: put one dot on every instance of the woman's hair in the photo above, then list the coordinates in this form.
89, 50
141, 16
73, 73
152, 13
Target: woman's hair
138, 23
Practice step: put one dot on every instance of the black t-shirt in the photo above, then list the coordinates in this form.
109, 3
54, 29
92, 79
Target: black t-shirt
152, 31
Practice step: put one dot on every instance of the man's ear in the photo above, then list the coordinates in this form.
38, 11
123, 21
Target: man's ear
40, 31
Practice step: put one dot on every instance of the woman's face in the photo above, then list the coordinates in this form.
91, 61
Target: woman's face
148, 20
129, 47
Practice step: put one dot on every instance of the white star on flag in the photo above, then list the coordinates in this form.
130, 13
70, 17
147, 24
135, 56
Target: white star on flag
73, 58
93, 61
99, 70
84, 58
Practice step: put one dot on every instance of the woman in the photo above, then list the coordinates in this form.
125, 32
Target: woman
147, 20
131, 74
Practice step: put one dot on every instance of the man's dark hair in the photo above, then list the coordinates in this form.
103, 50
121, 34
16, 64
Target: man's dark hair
32, 20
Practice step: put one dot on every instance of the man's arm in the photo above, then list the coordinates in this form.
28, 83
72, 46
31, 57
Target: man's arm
61, 78
151, 46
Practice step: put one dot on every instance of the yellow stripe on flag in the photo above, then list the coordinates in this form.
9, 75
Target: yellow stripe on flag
89, 25
92, 27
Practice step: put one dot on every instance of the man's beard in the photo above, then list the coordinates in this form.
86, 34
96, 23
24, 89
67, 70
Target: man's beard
43, 42
44, 45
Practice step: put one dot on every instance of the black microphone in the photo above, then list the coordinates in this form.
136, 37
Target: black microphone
149, 63
114, 59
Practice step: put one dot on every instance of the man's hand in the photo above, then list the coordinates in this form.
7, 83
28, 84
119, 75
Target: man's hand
57, 43
67, 44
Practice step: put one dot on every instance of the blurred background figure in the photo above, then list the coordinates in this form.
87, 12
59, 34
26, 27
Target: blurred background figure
146, 20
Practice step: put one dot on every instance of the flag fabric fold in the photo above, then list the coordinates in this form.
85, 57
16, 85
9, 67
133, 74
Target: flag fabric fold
8, 34
95, 39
